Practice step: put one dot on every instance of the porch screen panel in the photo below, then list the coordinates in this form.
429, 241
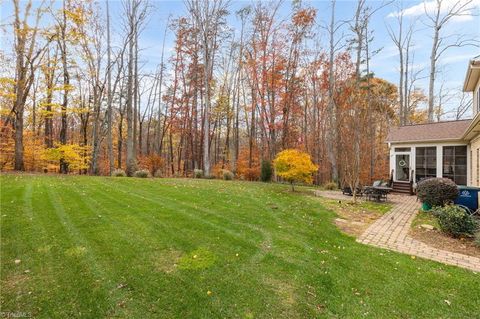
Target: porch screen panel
455, 164
425, 162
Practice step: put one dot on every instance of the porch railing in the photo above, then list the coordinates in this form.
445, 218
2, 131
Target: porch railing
412, 178
391, 178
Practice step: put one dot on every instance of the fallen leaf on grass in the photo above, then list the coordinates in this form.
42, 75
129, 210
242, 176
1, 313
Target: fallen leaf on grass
121, 285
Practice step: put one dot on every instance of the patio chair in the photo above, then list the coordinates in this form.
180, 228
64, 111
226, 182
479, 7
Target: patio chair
347, 190
373, 194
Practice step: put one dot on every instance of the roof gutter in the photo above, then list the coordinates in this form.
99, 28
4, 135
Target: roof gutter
472, 125
472, 65
428, 141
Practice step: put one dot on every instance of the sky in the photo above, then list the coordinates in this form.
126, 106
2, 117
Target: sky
452, 65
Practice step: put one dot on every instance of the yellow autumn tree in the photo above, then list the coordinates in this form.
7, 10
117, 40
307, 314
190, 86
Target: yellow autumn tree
294, 166
76, 157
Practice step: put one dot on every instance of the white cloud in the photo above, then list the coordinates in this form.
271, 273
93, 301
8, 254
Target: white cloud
430, 6
464, 58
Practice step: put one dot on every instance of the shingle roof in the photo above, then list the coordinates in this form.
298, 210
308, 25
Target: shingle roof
451, 130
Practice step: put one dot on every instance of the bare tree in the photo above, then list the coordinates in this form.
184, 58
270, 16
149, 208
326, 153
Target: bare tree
111, 161
242, 13
91, 45
48, 70
402, 40
27, 55
465, 103
135, 15
208, 16
335, 45
62, 44
437, 20
158, 131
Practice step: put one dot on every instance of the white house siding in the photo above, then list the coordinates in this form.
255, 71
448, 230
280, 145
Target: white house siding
476, 99
475, 162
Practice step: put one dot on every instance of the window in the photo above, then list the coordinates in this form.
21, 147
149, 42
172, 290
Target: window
455, 164
402, 149
425, 162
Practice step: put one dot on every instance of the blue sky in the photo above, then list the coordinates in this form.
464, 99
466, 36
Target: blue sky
384, 64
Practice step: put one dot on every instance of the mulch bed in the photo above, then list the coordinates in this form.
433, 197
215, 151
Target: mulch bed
437, 239
354, 222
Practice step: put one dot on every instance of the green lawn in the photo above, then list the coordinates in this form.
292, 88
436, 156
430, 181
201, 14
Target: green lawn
97, 247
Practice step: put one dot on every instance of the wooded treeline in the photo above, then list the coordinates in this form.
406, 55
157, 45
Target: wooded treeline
225, 97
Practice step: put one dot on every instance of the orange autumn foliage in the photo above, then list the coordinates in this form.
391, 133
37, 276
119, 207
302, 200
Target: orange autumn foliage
219, 169
246, 171
152, 163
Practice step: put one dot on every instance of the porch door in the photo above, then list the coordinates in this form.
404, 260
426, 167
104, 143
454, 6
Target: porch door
402, 167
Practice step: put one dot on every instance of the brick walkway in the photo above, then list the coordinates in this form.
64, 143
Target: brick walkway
391, 232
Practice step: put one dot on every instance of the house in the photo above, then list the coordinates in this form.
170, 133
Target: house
448, 149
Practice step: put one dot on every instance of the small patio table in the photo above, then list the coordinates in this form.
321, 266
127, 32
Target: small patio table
377, 193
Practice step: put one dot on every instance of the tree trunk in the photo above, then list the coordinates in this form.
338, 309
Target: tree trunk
332, 136
431, 81
111, 161
131, 160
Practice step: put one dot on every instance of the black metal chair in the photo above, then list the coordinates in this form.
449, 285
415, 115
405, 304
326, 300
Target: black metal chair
347, 190
372, 193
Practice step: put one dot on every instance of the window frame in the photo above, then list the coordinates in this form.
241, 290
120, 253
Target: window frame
450, 165
424, 160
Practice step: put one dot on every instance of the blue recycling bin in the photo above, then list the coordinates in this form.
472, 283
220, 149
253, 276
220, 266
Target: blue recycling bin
468, 196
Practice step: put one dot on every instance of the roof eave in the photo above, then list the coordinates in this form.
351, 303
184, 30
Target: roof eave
427, 141
471, 127
472, 76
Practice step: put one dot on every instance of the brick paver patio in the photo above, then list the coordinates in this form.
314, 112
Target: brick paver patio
391, 232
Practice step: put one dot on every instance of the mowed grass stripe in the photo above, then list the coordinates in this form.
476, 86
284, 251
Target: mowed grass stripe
283, 257
267, 237
146, 270
126, 262
177, 227
75, 219
139, 214
199, 215
88, 269
272, 219
195, 218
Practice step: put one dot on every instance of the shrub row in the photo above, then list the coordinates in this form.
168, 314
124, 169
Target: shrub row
143, 173
453, 220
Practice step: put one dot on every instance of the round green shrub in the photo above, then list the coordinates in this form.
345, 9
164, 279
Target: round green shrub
455, 221
143, 173
266, 171
330, 186
197, 173
119, 173
437, 191
227, 175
